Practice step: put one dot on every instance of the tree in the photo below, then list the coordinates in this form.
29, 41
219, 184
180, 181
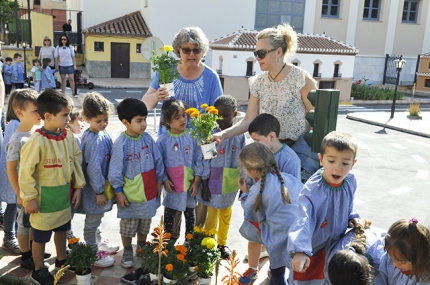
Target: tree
7, 13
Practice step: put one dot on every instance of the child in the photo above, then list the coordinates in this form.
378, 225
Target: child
355, 259
219, 192
24, 104
97, 196
45, 177
183, 159
48, 80
136, 172
269, 204
407, 257
76, 125
265, 129
36, 72
325, 208
18, 71
7, 75
7, 194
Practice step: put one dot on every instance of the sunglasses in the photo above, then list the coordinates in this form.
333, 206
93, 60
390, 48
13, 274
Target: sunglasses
261, 53
64, 39
47, 40
189, 50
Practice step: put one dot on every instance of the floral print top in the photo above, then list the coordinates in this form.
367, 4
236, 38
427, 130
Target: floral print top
283, 100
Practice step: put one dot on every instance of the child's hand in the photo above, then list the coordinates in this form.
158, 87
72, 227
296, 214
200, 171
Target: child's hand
194, 188
121, 199
353, 223
101, 199
168, 186
242, 184
300, 262
206, 194
16, 78
76, 198
31, 207
19, 201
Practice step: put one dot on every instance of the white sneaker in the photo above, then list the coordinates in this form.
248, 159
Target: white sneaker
105, 261
108, 247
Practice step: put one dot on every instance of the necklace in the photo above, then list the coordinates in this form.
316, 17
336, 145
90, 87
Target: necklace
273, 78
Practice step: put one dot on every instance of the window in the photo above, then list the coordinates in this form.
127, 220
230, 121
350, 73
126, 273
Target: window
316, 69
249, 67
330, 8
36, 2
99, 46
371, 9
270, 13
336, 71
296, 63
410, 11
326, 85
427, 83
138, 48
429, 66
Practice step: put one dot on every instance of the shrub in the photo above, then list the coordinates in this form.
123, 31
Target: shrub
365, 92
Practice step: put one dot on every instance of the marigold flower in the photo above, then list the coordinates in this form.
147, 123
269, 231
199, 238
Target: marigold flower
140, 250
181, 257
189, 236
73, 240
196, 268
213, 111
204, 105
209, 242
167, 235
210, 108
168, 48
195, 114
190, 110
147, 243
169, 267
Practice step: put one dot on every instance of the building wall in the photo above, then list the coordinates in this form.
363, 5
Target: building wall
333, 27
424, 65
238, 87
421, 82
41, 26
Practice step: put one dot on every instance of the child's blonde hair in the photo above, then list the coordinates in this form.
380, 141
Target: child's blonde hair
257, 156
283, 36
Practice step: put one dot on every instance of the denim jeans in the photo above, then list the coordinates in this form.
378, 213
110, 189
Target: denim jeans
310, 161
9, 221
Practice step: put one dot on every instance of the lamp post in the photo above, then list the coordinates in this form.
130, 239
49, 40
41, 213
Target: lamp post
399, 66
1, 46
24, 46
75, 46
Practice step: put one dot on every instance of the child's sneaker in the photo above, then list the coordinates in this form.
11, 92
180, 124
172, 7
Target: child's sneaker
248, 277
127, 259
11, 246
104, 260
29, 264
42, 277
108, 247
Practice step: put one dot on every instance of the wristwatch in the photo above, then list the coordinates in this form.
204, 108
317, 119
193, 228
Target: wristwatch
101, 193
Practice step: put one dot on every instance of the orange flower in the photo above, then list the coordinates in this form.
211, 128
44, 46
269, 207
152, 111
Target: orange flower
213, 111
196, 268
169, 267
181, 257
139, 251
189, 236
73, 240
147, 243
167, 235
195, 114
210, 108
190, 110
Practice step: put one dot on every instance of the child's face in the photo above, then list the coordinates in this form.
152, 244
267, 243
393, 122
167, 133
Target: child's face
253, 174
337, 164
268, 140
400, 261
36, 63
136, 127
99, 123
58, 121
227, 113
8, 62
76, 126
178, 122
18, 59
29, 114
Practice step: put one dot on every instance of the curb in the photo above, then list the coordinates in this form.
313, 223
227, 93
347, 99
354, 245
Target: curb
383, 102
119, 87
387, 126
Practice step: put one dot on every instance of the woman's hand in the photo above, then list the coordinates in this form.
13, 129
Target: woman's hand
217, 137
162, 94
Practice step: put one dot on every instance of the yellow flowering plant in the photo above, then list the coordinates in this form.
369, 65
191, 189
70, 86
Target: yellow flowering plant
203, 123
165, 65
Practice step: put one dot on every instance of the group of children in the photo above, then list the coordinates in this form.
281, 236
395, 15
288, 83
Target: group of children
14, 74
312, 229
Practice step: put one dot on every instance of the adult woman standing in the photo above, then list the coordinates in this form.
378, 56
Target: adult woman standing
47, 51
65, 62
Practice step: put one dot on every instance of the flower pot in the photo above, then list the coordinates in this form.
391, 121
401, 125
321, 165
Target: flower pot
84, 279
153, 276
205, 280
192, 269
169, 88
209, 150
168, 281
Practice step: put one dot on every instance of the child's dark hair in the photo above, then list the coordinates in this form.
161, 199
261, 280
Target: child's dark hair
75, 114
349, 266
23, 97
16, 55
226, 100
51, 101
170, 109
8, 59
95, 104
264, 124
35, 60
130, 108
10, 113
340, 141
257, 156
410, 240
46, 62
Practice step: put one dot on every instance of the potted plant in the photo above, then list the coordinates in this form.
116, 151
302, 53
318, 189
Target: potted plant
81, 258
176, 264
203, 124
166, 67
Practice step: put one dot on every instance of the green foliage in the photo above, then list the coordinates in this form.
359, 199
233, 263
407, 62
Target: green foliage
7, 11
81, 257
364, 92
150, 259
9, 280
203, 124
165, 65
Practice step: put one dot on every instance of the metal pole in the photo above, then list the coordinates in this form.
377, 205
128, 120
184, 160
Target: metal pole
393, 107
29, 24
17, 31
25, 66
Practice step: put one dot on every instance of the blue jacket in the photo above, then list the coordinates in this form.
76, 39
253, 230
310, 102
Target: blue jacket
18, 72
7, 72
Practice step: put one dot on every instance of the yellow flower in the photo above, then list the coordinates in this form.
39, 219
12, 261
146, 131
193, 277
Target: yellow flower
213, 232
213, 111
169, 267
195, 114
209, 242
198, 229
168, 48
208, 109
190, 110
203, 105
189, 236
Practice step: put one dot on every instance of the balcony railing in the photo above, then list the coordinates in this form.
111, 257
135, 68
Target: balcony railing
337, 75
219, 71
316, 75
248, 74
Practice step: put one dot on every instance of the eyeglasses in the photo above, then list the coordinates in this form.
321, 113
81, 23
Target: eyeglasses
261, 53
189, 50
64, 39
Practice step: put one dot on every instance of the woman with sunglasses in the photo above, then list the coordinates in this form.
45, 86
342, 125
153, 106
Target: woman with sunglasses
47, 51
65, 62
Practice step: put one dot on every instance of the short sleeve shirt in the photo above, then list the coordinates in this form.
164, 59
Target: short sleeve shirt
13, 148
64, 55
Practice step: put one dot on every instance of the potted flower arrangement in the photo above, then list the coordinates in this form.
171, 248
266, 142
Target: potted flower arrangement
176, 268
81, 258
203, 124
166, 67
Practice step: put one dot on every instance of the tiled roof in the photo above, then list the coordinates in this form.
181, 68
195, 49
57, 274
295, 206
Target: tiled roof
246, 40
130, 25
425, 55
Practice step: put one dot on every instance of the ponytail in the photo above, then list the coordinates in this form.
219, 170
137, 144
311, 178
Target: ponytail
284, 190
